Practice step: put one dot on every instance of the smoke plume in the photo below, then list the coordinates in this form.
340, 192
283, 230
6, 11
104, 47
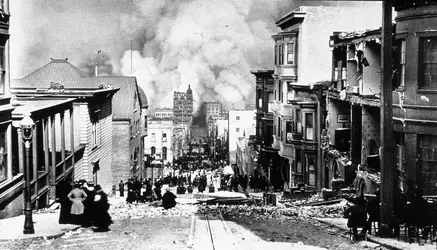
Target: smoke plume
167, 44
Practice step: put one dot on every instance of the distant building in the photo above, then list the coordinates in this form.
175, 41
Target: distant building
158, 146
213, 110
241, 123
164, 113
183, 106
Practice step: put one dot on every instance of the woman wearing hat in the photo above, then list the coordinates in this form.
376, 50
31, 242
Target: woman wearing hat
101, 217
77, 196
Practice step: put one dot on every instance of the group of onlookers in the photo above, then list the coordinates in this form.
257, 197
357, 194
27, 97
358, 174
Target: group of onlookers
139, 190
409, 207
83, 204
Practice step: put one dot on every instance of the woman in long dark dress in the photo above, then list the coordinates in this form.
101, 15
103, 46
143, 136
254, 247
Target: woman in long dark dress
101, 217
87, 219
62, 193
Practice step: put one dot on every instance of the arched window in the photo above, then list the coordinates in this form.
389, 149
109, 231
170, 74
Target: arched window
164, 153
152, 150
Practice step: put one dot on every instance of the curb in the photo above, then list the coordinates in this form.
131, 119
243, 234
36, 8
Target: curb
370, 238
52, 236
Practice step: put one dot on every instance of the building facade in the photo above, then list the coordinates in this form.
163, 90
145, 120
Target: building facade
164, 113
158, 146
415, 94
183, 107
127, 134
352, 134
91, 120
239, 122
302, 72
267, 156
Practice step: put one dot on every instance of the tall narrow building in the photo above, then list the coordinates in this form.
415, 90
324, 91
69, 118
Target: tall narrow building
183, 106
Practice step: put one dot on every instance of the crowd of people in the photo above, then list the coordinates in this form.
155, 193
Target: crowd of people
141, 191
410, 208
83, 203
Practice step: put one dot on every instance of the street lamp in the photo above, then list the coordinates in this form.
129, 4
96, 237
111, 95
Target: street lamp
27, 126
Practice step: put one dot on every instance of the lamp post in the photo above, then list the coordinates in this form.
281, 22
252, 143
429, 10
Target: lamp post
27, 126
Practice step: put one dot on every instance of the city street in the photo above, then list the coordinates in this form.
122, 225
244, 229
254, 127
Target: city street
148, 227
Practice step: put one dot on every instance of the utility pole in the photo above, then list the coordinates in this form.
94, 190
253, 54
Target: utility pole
387, 150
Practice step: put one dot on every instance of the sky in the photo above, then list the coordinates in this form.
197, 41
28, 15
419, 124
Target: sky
211, 45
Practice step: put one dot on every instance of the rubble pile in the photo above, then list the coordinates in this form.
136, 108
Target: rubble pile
324, 211
258, 212
119, 209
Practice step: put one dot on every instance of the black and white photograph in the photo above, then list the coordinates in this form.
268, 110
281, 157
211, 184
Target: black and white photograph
218, 124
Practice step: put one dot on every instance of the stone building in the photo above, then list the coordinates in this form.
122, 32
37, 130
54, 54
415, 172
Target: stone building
183, 106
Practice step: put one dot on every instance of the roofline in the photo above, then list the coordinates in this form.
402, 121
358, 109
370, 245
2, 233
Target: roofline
295, 15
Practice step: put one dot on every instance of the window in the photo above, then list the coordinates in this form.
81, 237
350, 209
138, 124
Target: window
152, 150
280, 91
3, 156
427, 154
164, 137
290, 53
428, 63
310, 162
276, 54
298, 128
289, 131
270, 102
309, 126
95, 129
400, 164
164, 153
2, 68
281, 54
402, 64
238, 118
237, 130
153, 138
299, 161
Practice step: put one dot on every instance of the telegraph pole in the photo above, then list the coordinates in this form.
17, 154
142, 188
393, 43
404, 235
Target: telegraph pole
387, 151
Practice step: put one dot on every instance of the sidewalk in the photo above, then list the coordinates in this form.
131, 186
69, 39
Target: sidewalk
45, 225
392, 243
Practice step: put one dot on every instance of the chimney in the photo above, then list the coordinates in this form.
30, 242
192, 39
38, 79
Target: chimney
96, 70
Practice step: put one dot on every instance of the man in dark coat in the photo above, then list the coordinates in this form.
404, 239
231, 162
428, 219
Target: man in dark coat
168, 199
357, 217
101, 217
130, 191
121, 188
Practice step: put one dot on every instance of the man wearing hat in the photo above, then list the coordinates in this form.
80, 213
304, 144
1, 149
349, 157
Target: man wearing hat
168, 199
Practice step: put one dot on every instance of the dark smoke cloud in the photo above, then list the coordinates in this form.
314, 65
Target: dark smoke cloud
210, 44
